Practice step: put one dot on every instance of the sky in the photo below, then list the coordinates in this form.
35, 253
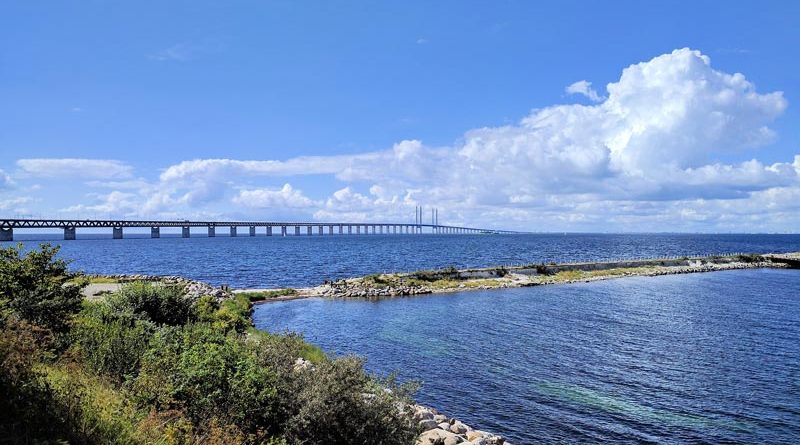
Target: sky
591, 116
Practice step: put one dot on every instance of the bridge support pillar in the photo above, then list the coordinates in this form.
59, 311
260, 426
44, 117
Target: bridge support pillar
349, 230
69, 233
155, 232
252, 230
319, 230
297, 230
358, 230
233, 231
283, 230
185, 232
330, 230
212, 231
117, 233
309, 230
6, 234
269, 230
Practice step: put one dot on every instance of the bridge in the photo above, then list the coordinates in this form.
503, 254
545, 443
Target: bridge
285, 228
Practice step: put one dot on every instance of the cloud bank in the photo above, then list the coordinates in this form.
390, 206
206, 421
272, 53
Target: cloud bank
646, 155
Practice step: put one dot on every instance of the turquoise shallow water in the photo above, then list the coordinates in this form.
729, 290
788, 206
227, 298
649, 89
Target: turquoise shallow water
703, 358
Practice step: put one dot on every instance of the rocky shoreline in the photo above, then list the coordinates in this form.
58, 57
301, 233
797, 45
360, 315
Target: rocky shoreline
192, 289
439, 429
436, 428
451, 280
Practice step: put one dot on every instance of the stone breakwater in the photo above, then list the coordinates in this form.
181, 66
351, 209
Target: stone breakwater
192, 289
451, 280
439, 429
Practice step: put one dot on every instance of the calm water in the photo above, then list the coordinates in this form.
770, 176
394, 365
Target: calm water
706, 358
298, 261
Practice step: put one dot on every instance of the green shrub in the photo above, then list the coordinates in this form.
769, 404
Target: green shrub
111, 342
337, 402
94, 411
25, 397
233, 314
163, 305
207, 374
37, 287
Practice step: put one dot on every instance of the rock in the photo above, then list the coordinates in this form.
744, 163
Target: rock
427, 424
445, 426
438, 437
458, 427
440, 418
302, 364
476, 434
423, 414
478, 441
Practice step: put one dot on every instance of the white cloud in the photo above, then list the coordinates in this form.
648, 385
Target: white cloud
15, 204
75, 168
646, 157
5, 180
584, 87
113, 204
285, 197
179, 52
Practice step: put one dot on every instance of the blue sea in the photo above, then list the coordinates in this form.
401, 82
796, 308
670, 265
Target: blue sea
704, 358
276, 261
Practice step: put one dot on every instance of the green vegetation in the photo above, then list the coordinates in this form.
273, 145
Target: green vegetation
267, 294
750, 258
146, 366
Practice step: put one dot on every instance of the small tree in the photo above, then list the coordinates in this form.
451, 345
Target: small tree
36, 287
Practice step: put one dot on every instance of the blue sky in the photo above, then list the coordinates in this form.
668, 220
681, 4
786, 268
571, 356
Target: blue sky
362, 110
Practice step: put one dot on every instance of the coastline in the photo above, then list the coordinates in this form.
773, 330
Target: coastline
434, 427
381, 286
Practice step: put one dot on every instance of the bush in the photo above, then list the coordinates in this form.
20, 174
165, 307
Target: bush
37, 287
163, 305
110, 342
24, 394
207, 374
337, 402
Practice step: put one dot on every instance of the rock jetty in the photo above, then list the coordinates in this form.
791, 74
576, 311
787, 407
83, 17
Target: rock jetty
192, 289
438, 429
381, 286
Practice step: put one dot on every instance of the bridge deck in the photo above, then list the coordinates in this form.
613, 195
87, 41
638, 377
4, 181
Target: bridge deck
69, 226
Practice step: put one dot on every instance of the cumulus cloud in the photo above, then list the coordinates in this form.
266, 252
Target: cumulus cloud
15, 204
646, 156
115, 203
5, 180
584, 88
75, 168
285, 197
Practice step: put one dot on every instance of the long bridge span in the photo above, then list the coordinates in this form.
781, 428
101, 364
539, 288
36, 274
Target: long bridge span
281, 228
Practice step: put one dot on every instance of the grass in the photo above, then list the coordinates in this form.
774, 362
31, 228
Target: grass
99, 412
267, 294
102, 280
84, 279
